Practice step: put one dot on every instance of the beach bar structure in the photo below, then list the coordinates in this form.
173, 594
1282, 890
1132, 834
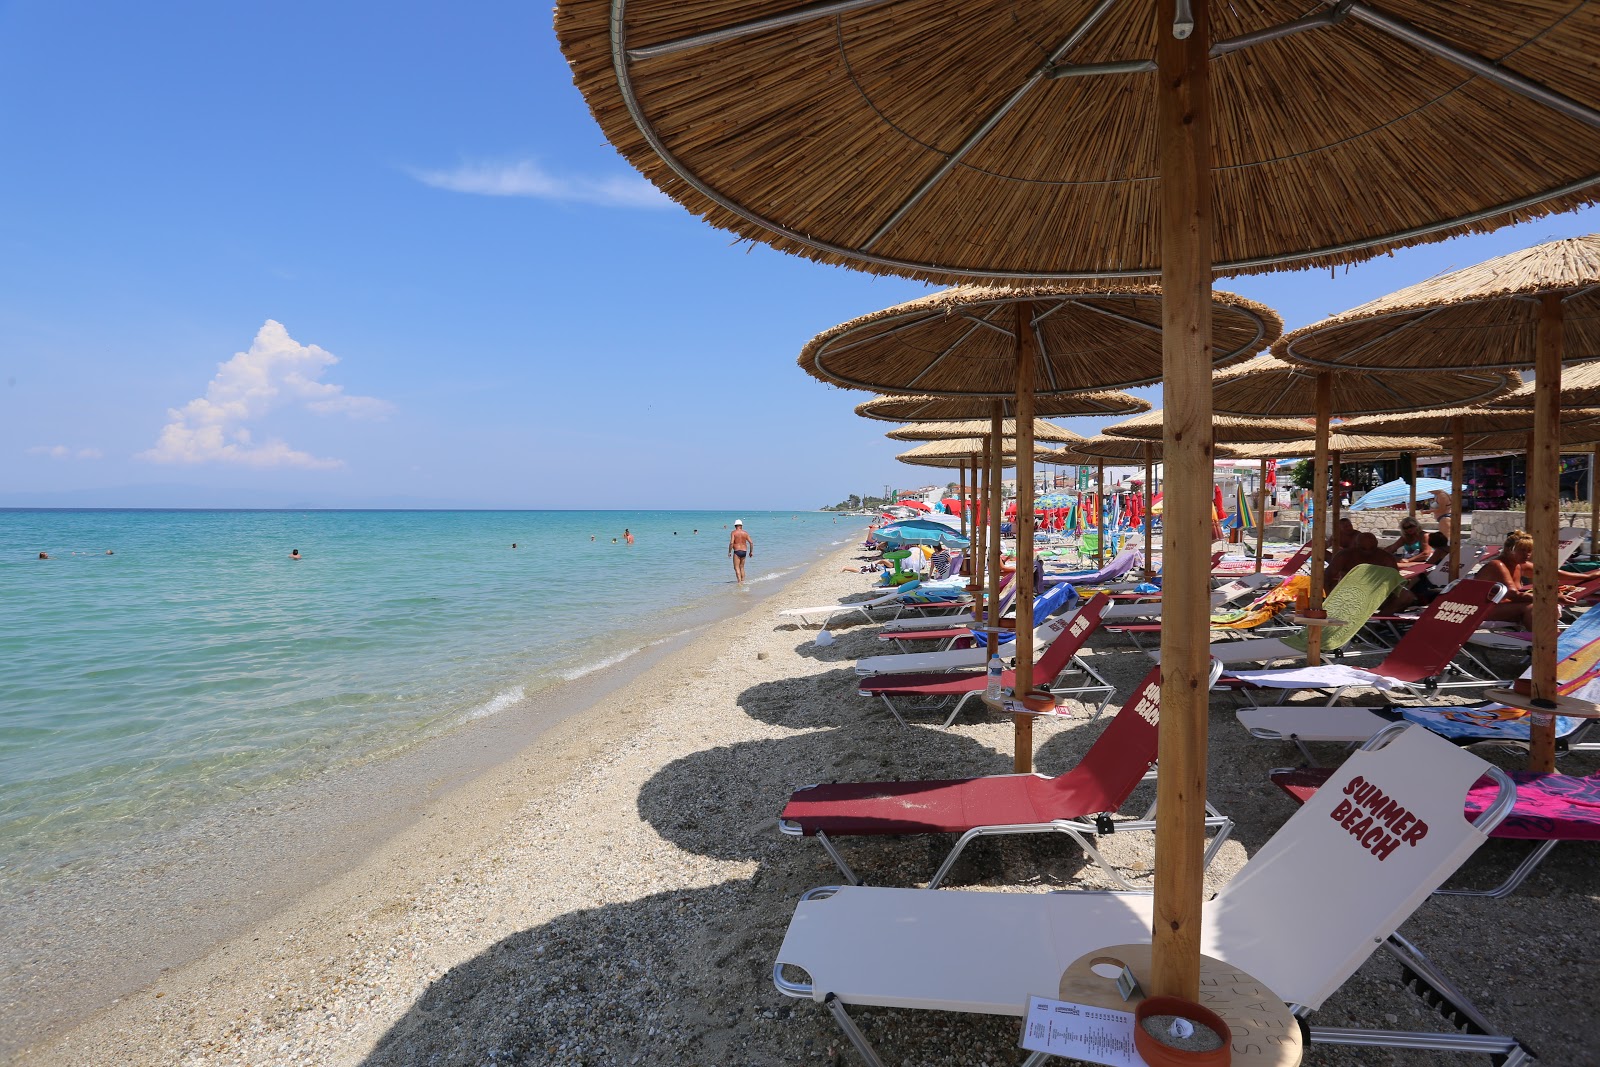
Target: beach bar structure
1092, 139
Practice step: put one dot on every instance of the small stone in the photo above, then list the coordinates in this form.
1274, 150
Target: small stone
761, 655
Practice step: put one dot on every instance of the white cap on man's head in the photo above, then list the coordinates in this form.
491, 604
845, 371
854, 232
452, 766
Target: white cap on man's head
738, 522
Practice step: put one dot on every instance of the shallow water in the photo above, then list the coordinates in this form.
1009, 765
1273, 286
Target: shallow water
198, 664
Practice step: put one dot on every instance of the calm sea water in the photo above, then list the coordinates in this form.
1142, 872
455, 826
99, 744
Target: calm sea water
198, 663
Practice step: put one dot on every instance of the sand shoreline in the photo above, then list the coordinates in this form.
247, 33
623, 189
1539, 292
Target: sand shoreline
407, 816
620, 900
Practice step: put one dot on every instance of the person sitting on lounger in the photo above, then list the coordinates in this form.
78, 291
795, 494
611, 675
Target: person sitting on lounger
1513, 568
1365, 550
1409, 545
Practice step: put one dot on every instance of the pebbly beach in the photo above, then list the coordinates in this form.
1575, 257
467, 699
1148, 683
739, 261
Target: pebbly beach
614, 890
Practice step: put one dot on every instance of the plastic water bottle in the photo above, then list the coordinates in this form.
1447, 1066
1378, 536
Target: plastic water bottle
995, 669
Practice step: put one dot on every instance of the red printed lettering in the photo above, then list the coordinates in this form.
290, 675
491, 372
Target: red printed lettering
1340, 810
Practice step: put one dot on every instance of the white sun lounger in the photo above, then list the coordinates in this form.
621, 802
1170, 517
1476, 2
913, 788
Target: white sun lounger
895, 599
1301, 917
1007, 597
959, 659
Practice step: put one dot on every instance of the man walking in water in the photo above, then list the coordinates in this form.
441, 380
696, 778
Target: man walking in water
740, 546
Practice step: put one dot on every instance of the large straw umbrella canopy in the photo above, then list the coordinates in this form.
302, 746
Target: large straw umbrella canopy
989, 140
963, 341
993, 141
1122, 450
950, 408
945, 431
1580, 388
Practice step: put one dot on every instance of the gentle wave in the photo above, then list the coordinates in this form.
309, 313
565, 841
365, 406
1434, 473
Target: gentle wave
500, 703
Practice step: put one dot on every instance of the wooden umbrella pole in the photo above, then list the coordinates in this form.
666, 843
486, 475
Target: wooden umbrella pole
1544, 521
1336, 509
961, 495
1261, 516
1100, 509
1413, 493
1022, 725
1458, 460
1149, 520
996, 502
980, 528
1183, 133
1594, 506
1319, 503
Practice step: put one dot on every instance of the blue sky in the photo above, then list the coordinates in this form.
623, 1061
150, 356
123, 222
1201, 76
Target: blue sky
358, 254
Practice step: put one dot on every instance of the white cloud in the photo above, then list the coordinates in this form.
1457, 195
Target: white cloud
527, 178
278, 372
65, 452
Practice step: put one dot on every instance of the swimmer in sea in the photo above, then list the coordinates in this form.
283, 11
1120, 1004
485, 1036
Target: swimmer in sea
627, 535
295, 554
44, 555
740, 545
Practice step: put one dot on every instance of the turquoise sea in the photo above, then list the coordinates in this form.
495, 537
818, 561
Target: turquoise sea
197, 663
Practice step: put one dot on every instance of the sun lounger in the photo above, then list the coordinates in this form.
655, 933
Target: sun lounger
1062, 653
1078, 803
1008, 594
957, 659
1120, 564
1048, 603
1291, 565
1266, 607
1301, 917
893, 600
1349, 606
1416, 662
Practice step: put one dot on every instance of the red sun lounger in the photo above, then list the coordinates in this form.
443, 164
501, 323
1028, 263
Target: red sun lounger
934, 688
1417, 661
1078, 803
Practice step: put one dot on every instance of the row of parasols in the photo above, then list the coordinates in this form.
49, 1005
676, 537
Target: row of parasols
1126, 141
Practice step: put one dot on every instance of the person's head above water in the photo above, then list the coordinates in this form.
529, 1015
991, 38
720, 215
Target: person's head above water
295, 554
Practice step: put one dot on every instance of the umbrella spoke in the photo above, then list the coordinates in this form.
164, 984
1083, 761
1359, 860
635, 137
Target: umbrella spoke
827, 9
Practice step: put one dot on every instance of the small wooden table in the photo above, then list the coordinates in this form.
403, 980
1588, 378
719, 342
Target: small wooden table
1569, 706
1265, 1033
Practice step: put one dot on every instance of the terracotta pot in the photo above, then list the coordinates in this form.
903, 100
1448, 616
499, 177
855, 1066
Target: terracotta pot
1157, 1054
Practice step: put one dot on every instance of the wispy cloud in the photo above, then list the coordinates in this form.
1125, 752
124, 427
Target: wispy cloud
278, 372
528, 178
65, 452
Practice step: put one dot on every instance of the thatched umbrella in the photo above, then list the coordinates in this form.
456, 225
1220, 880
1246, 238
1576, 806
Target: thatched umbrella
989, 140
1270, 387
963, 341
1023, 342
1538, 307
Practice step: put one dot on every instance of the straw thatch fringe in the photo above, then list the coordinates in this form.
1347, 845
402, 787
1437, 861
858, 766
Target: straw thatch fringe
1226, 429
1473, 420
944, 431
1368, 446
940, 408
